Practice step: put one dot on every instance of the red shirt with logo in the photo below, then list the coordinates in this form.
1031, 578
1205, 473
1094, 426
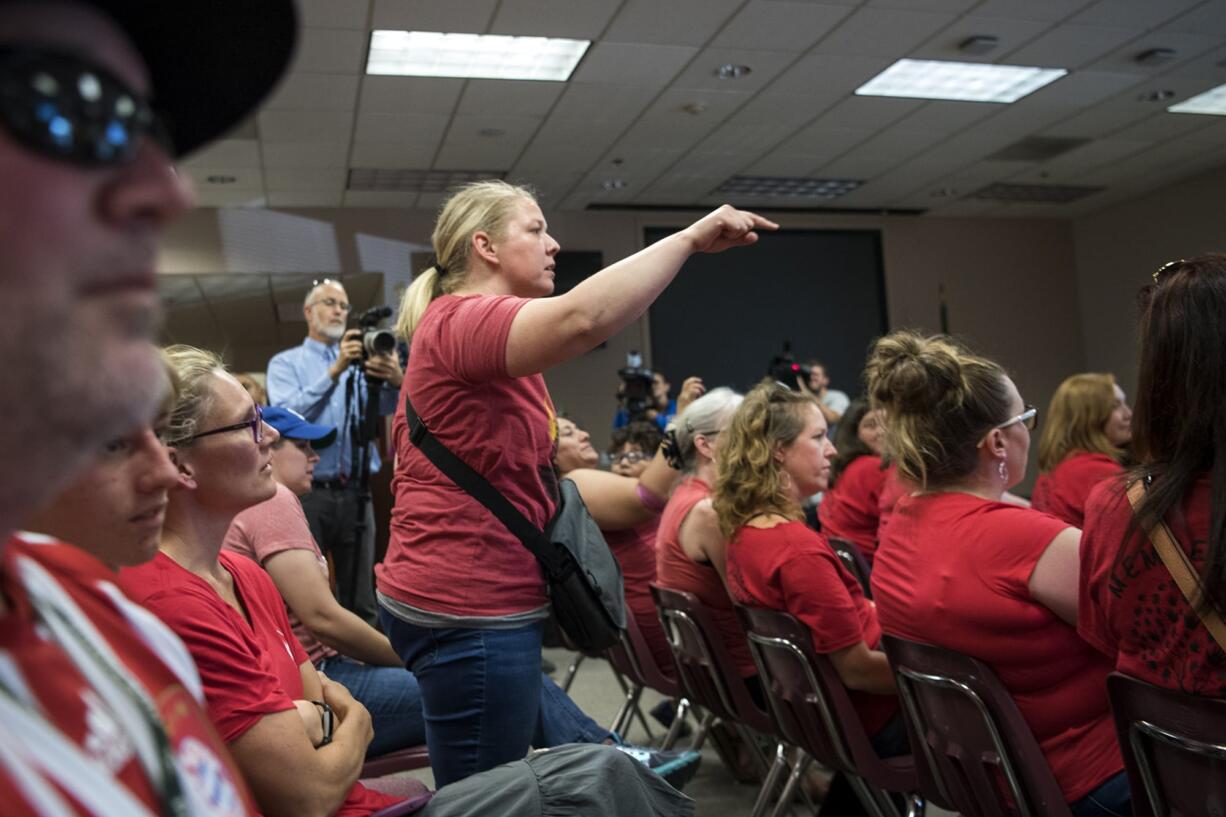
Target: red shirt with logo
954, 570
75, 741
447, 553
677, 571
250, 668
1062, 492
1131, 608
850, 510
791, 567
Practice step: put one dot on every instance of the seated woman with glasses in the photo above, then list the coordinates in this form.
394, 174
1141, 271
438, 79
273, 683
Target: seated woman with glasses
960, 568
1087, 428
1130, 607
851, 506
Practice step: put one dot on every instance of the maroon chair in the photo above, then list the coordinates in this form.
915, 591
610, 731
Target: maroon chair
710, 679
853, 559
812, 710
978, 753
1174, 748
401, 760
633, 659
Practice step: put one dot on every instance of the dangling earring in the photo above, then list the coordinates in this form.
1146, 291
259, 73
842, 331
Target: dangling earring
1004, 472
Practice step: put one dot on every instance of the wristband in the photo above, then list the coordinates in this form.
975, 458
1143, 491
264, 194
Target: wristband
326, 719
650, 501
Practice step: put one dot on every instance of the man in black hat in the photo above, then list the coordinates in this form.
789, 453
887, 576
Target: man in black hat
99, 706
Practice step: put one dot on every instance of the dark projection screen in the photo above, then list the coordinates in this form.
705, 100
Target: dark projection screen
726, 315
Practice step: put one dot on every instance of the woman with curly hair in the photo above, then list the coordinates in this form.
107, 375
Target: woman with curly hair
1087, 426
850, 509
960, 567
776, 453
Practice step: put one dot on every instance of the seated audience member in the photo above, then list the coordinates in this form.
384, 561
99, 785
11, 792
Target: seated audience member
850, 506
689, 545
339, 643
960, 568
1130, 607
632, 448
1084, 435
774, 454
253, 387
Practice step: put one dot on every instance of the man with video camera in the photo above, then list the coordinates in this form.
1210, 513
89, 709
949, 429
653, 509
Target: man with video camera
335, 378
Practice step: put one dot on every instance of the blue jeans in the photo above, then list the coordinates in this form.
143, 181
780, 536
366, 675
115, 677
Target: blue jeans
484, 697
390, 694
1113, 798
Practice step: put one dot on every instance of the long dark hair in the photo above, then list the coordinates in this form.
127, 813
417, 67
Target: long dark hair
847, 439
1180, 416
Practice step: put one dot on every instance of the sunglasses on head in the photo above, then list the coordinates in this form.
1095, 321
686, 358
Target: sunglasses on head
70, 109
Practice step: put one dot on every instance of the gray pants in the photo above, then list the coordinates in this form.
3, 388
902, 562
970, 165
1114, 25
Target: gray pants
579, 779
332, 514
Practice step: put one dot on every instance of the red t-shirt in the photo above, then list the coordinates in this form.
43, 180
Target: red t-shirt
791, 567
249, 669
954, 570
272, 527
677, 571
850, 509
447, 553
1062, 492
893, 488
75, 736
1131, 608
635, 551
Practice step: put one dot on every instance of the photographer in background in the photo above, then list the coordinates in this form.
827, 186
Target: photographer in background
831, 402
637, 405
323, 381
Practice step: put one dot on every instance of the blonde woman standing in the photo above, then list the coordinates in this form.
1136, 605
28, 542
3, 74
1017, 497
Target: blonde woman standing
462, 599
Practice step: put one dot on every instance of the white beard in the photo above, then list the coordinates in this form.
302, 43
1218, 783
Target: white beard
332, 333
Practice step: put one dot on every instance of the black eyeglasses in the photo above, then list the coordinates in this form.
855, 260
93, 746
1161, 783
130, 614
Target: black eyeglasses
256, 424
65, 107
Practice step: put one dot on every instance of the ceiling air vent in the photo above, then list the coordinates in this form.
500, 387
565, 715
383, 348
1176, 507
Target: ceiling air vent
1037, 148
1040, 193
788, 187
416, 181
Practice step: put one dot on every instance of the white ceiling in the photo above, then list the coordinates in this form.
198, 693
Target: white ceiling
644, 105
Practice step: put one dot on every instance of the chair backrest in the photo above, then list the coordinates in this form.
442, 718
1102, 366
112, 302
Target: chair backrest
853, 559
705, 670
1174, 747
634, 659
974, 752
807, 698
401, 760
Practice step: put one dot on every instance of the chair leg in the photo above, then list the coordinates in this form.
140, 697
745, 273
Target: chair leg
674, 731
875, 801
916, 805
771, 782
572, 670
625, 714
789, 789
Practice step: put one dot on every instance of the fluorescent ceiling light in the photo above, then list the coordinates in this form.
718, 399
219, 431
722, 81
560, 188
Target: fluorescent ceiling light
959, 81
474, 56
1212, 101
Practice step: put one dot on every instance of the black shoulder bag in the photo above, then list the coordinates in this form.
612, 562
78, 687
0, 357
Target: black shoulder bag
583, 578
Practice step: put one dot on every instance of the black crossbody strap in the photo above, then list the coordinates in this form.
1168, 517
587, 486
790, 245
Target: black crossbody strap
479, 488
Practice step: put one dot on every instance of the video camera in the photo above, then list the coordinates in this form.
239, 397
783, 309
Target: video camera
635, 395
784, 368
376, 341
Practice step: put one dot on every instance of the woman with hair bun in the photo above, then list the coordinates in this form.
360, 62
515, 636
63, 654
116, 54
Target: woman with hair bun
1130, 606
961, 568
776, 453
1084, 435
461, 598
850, 509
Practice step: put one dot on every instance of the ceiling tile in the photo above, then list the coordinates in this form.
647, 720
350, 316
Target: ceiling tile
379, 198
305, 154
827, 77
856, 165
296, 181
1208, 18
305, 126
632, 63
668, 124
539, 158
492, 155
588, 100
748, 140
1186, 46
1053, 10
943, 117
958, 209
1095, 154
868, 113
1099, 120
779, 26
1141, 14
788, 111
944, 45
953, 6
296, 198
227, 153
469, 129
417, 94
431, 201
706, 163
315, 92
334, 13
394, 155
594, 134
1162, 126
422, 129
573, 19
509, 97
330, 51
823, 143
880, 32
550, 189
765, 66
468, 16
1071, 47
229, 198
1077, 90
777, 163
1210, 66
681, 22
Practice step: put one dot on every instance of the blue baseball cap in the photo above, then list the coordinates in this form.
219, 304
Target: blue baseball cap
294, 426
